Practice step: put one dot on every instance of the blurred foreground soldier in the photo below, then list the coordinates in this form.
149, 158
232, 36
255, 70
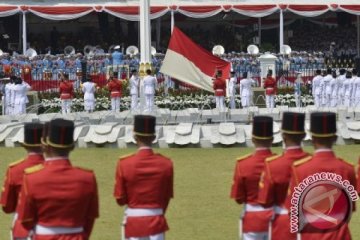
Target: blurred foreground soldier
316, 88
59, 201
144, 182
323, 131
245, 90
66, 90
270, 90
232, 90
89, 88
255, 219
115, 88
274, 183
134, 89
14, 176
219, 87
150, 84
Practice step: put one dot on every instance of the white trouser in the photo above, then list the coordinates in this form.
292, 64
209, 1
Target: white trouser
134, 102
65, 106
317, 100
160, 236
89, 104
334, 101
255, 236
232, 102
297, 100
347, 102
269, 101
326, 100
149, 100
357, 102
340, 100
115, 104
245, 101
220, 103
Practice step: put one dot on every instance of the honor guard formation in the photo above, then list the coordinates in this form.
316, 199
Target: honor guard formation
43, 189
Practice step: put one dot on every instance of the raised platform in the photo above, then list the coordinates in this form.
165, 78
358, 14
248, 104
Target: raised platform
184, 128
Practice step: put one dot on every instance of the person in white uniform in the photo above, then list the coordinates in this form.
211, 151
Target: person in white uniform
340, 82
326, 89
356, 90
150, 84
19, 97
334, 90
347, 89
89, 89
316, 88
134, 89
353, 90
232, 89
9, 92
246, 90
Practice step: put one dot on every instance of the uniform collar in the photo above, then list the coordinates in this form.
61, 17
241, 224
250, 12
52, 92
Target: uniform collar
145, 151
53, 159
262, 151
324, 152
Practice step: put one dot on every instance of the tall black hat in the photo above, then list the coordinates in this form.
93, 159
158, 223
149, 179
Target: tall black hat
32, 134
144, 125
45, 133
293, 123
262, 128
323, 124
61, 133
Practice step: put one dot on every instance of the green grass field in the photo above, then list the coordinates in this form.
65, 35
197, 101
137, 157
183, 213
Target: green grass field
201, 209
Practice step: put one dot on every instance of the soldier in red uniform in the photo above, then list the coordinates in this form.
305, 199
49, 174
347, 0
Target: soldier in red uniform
66, 90
274, 183
144, 182
58, 200
254, 222
115, 87
14, 175
270, 90
219, 86
323, 131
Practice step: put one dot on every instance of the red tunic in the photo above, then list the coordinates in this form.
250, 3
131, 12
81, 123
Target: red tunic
115, 88
66, 90
274, 187
59, 195
12, 187
245, 189
219, 86
358, 183
270, 86
144, 180
323, 161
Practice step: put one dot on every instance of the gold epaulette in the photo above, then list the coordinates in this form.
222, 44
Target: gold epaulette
269, 159
125, 156
33, 169
303, 160
16, 162
85, 169
244, 157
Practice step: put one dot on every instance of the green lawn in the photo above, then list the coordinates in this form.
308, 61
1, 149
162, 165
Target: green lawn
201, 209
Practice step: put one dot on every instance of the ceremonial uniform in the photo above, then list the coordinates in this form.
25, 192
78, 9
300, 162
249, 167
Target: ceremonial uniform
115, 88
274, 183
347, 88
149, 83
270, 91
134, 91
66, 90
59, 201
14, 177
316, 89
246, 91
326, 89
356, 90
232, 90
219, 87
9, 92
322, 125
340, 93
19, 100
88, 89
117, 58
353, 88
334, 90
144, 182
254, 222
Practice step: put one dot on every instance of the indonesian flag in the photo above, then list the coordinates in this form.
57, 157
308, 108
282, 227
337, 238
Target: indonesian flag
188, 62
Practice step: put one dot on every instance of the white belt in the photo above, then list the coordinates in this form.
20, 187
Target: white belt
143, 212
270, 88
280, 210
219, 90
115, 92
42, 230
255, 208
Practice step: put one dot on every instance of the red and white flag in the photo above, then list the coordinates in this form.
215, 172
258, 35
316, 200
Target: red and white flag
190, 63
